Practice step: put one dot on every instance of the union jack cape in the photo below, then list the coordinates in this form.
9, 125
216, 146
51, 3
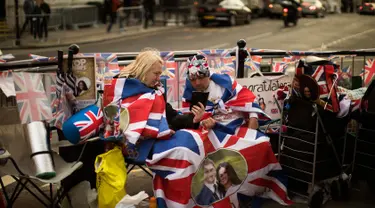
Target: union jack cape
146, 108
176, 160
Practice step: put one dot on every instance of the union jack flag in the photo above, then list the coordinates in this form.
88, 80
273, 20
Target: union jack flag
170, 66
110, 62
252, 63
279, 66
368, 72
32, 102
146, 109
219, 60
323, 74
176, 85
50, 87
175, 162
90, 124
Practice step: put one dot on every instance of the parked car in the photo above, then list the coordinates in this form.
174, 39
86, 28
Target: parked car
231, 12
313, 7
367, 8
274, 9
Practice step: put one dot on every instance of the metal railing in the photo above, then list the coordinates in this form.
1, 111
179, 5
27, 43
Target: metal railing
131, 16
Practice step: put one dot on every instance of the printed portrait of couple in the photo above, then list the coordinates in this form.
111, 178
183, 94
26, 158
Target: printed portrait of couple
220, 175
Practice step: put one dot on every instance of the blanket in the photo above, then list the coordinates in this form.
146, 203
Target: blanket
176, 161
146, 107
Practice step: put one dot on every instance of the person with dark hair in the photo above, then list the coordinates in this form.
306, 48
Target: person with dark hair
210, 191
261, 102
230, 182
224, 92
28, 9
46, 11
82, 87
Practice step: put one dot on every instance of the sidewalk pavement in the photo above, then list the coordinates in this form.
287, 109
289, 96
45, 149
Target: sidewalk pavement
83, 35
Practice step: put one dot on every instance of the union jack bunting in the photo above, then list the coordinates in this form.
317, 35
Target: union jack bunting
41, 58
110, 62
219, 60
32, 101
368, 72
252, 63
278, 66
7, 84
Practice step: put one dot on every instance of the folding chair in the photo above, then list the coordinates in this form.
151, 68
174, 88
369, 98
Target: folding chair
144, 149
24, 175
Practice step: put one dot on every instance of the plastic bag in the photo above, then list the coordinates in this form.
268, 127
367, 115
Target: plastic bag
111, 178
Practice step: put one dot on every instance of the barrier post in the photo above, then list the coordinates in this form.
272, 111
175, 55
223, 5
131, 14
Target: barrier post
242, 55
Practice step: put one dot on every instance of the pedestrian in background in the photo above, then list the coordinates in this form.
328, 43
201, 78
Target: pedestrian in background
114, 5
46, 12
36, 18
28, 8
149, 9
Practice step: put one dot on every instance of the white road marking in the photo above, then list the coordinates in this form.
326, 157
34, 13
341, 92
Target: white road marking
254, 37
325, 46
219, 46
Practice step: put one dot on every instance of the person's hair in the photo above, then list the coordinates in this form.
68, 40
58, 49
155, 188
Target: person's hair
233, 177
208, 161
142, 64
84, 85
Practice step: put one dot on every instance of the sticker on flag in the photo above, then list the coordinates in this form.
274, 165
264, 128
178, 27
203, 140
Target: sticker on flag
220, 61
32, 101
220, 169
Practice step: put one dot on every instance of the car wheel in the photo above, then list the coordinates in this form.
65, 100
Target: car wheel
232, 20
248, 19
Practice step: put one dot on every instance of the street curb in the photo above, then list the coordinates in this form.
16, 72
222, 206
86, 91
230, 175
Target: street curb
99, 39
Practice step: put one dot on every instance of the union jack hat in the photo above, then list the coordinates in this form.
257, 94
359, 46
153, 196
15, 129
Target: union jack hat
197, 67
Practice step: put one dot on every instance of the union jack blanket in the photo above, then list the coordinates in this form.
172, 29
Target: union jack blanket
146, 108
175, 161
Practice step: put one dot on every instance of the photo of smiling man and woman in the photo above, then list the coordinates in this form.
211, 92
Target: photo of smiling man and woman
220, 175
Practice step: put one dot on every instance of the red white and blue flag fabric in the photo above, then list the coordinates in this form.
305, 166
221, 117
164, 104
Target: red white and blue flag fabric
146, 106
32, 101
219, 60
83, 125
368, 72
175, 161
327, 81
235, 97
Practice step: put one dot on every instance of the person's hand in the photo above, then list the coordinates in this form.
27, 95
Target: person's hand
208, 123
171, 132
198, 112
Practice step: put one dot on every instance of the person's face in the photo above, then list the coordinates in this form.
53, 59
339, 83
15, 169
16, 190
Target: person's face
200, 84
152, 77
223, 175
81, 85
296, 84
307, 93
209, 173
101, 65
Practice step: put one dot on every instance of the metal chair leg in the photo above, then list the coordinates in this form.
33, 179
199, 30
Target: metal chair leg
131, 169
148, 173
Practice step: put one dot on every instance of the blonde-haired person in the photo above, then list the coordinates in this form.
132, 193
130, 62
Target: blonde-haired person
148, 68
